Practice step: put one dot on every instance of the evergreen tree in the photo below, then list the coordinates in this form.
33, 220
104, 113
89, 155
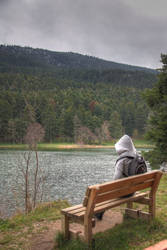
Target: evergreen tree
77, 127
157, 131
116, 129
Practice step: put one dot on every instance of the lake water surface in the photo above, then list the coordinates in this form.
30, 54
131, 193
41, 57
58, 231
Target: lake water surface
69, 173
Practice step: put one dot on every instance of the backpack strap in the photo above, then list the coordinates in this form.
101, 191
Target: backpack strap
124, 157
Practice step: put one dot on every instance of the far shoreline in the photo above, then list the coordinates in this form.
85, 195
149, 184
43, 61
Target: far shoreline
66, 146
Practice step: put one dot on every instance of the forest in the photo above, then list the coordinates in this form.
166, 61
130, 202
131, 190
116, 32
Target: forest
73, 97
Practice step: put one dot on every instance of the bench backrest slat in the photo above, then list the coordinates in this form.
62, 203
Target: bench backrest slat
124, 182
121, 187
122, 191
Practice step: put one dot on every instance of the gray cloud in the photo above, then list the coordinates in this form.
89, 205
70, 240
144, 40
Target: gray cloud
126, 31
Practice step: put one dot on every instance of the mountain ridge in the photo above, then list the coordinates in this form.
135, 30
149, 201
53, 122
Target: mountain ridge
27, 56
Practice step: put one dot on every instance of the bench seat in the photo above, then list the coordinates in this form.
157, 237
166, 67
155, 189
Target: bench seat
78, 211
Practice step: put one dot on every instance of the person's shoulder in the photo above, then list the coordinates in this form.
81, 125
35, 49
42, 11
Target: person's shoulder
121, 161
125, 157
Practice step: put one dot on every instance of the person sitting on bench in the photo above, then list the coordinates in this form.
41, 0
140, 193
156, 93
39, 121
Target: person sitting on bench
128, 163
126, 151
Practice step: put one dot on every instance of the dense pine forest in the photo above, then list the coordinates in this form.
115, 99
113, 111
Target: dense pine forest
73, 97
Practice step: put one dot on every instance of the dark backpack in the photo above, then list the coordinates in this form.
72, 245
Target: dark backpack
135, 166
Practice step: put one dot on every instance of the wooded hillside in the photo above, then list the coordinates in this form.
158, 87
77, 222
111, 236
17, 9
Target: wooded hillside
74, 97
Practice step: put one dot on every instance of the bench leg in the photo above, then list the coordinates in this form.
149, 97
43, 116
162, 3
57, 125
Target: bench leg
130, 204
65, 226
129, 207
152, 206
88, 231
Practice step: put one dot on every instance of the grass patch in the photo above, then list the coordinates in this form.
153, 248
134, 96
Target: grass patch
61, 243
46, 211
142, 143
131, 234
65, 146
6, 239
15, 231
13, 146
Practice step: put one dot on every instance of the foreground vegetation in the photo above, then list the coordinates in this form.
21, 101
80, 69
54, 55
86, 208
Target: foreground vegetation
17, 232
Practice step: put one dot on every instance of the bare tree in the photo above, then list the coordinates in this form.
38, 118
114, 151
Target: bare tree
82, 134
103, 133
35, 133
30, 176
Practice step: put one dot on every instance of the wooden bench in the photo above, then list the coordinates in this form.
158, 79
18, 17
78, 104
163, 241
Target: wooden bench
107, 195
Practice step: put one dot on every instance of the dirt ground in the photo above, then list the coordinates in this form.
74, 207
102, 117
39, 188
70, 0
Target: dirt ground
45, 240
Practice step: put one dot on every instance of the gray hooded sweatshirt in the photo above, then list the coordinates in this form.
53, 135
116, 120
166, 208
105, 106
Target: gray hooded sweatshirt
124, 147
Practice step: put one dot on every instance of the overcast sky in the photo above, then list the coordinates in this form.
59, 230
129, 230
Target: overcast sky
127, 31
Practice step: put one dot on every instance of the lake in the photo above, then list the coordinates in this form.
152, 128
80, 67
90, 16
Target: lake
68, 172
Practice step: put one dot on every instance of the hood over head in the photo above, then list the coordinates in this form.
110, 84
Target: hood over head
125, 144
